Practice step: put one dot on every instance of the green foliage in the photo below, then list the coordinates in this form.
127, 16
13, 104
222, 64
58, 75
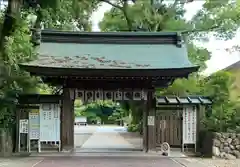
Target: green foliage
95, 111
118, 114
225, 113
217, 86
18, 49
183, 87
70, 15
134, 128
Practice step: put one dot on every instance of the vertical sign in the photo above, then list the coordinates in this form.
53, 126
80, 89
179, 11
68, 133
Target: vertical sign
34, 124
189, 125
23, 126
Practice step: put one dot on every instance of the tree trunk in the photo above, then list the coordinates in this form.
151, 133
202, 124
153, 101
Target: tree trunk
6, 146
10, 18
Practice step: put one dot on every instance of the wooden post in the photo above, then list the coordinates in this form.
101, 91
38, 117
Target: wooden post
17, 143
145, 127
149, 127
151, 105
67, 121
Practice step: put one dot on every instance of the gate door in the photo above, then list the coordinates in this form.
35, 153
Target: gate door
169, 128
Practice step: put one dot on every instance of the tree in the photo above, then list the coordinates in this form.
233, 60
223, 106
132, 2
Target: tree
18, 48
218, 88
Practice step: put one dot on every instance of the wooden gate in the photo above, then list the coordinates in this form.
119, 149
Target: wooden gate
169, 127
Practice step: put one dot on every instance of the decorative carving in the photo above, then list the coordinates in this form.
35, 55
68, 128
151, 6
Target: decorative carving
127, 95
137, 95
108, 95
80, 94
117, 95
98, 95
89, 96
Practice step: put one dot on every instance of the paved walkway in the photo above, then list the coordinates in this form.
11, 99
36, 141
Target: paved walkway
207, 162
113, 159
21, 162
107, 140
106, 162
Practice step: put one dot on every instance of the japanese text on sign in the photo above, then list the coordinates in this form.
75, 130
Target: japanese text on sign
34, 124
189, 125
23, 126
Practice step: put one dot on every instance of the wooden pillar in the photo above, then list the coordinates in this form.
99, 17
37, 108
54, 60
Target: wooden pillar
149, 127
151, 105
145, 127
67, 120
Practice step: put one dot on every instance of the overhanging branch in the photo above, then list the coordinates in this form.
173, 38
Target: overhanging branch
200, 30
123, 9
112, 4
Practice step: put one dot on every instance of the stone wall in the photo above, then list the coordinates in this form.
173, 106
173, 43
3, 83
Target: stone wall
226, 145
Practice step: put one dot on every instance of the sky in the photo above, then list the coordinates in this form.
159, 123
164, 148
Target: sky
219, 57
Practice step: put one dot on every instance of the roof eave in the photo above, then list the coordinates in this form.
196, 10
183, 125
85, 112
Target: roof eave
50, 71
111, 37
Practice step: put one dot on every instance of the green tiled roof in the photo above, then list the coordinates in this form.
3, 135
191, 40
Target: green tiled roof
109, 56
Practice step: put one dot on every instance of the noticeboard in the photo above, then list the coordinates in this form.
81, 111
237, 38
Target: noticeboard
49, 122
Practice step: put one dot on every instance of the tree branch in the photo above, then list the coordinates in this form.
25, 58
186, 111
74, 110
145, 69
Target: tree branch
123, 9
125, 13
200, 30
112, 4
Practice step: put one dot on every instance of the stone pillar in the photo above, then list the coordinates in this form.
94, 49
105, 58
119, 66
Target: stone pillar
67, 120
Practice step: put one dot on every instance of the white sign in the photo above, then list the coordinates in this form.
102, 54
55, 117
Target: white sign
189, 125
34, 124
23, 126
49, 122
151, 120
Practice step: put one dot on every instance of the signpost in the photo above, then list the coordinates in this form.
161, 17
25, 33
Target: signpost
34, 126
189, 126
23, 129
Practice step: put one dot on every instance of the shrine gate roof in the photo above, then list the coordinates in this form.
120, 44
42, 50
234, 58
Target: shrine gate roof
60, 52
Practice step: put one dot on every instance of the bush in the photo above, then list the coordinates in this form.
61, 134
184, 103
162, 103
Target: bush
133, 128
